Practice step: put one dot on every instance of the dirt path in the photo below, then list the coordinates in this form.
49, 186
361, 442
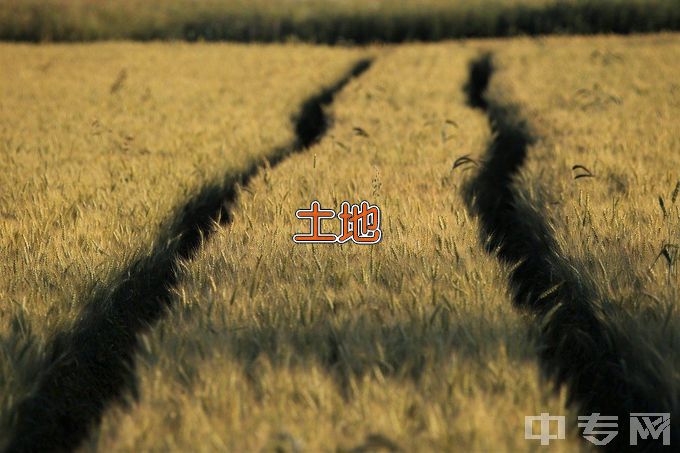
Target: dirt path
580, 347
92, 365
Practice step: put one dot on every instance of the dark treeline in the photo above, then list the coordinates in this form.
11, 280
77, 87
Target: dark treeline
588, 18
38, 23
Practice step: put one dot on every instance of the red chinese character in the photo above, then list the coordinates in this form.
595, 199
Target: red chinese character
314, 214
360, 224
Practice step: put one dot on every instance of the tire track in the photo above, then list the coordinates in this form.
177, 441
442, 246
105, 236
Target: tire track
579, 347
92, 365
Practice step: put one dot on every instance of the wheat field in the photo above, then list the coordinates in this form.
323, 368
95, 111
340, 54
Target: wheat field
412, 343
154, 299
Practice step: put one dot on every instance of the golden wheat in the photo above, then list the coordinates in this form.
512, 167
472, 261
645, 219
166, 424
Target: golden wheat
412, 342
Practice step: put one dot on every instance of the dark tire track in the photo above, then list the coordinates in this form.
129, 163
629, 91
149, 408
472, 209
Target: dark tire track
92, 365
579, 347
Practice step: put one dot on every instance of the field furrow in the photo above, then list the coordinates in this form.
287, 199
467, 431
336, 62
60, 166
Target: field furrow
59, 374
598, 322
90, 364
